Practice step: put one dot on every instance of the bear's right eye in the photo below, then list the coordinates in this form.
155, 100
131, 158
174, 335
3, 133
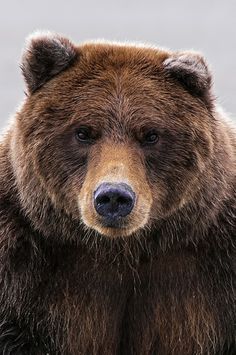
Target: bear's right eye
83, 135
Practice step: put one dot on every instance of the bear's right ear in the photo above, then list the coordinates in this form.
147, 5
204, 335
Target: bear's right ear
46, 55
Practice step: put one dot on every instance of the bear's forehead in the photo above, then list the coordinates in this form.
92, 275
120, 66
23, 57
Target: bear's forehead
103, 70
116, 77
115, 95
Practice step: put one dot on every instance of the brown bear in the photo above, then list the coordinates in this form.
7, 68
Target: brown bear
117, 205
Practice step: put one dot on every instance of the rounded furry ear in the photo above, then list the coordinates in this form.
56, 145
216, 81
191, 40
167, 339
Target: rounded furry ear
191, 70
45, 55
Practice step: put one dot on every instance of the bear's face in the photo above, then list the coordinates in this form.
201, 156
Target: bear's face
118, 139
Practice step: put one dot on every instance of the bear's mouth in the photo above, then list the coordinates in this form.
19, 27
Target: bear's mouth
114, 222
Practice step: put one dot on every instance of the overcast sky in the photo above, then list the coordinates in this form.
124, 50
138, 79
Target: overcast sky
205, 25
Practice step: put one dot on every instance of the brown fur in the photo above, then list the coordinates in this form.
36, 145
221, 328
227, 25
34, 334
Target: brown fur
164, 283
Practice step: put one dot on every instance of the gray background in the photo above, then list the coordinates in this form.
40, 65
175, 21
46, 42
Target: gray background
205, 25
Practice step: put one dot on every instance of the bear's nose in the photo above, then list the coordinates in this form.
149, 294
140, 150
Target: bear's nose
114, 200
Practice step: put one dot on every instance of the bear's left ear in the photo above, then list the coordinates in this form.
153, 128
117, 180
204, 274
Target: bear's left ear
45, 55
191, 71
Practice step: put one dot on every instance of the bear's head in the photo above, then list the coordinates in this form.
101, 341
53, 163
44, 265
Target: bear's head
111, 138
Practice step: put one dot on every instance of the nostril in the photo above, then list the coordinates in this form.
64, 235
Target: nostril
123, 200
103, 199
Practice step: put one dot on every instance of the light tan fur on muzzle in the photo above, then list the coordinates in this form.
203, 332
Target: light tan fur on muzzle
116, 163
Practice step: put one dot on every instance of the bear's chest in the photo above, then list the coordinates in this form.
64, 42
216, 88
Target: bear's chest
124, 309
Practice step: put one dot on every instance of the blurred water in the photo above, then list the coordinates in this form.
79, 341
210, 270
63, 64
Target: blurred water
208, 26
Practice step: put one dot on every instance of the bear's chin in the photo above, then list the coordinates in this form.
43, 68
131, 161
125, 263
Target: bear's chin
115, 232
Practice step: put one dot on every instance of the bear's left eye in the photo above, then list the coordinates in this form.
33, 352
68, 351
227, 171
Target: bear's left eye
83, 135
150, 137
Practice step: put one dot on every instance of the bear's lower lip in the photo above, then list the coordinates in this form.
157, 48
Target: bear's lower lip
109, 222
